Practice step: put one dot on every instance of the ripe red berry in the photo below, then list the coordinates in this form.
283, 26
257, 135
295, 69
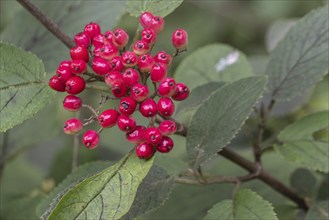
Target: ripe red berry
148, 108
165, 145
120, 38
90, 139
108, 51
139, 92
166, 107
96, 52
181, 92
144, 151
146, 19
100, 66
136, 135
152, 135
108, 37
112, 77
119, 89
145, 63
130, 77
78, 66
79, 53
56, 84
129, 59
63, 74
126, 123
167, 87
157, 23
127, 105
140, 47
167, 127
73, 126
180, 39
75, 85
163, 57
65, 63
92, 29
108, 118
116, 64
72, 103
82, 39
158, 72
98, 41
149, 36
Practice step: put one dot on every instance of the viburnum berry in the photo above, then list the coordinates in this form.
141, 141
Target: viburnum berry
167, 87
63, 74
179, 39
167, 127
149, 36
120, 38
78, 66
79, 53
72, 103
130, 77
141, 47
144, 151
127, 105
139, 92
107, 37
116, 64
113, 77
108, 51
136, 135
56, 84
152, 135
126, 123
108, 118
181, 92
166, 107
75, 85
165, 145
96, 52
98, 41
92, 29
65, 63
73, 126
129, 59
163, 57
146, 19
90, 139
148, 108
100, 66
145, 63
82, 39
157, 23
158, 72
119, 89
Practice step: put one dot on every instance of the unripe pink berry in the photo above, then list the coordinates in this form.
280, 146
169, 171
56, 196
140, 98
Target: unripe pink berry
90, 139
72, 103
79, 53
149, 36
108, 118
127, 105
136, 135
112, 77
130, 77
163, 57
167, 87
144, 151
92, 29
98, 41
145, 63
166, 144
146, 19
82, 39
129, 59
158, 72
152, 136
180, 39
100, 66
56, 84
119, 89
108, 51
166, 107
139, 92
167, 127
181, 92
75, 85
116, 64
73, 126
148, 108
108, 37
63, 73
140, 47
126, 123
78, 66
120, 38
157, 23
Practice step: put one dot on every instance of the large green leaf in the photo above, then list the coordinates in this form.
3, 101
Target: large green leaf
157, 7
22, 89
318, 211
246, 205
299, 146
71, 16
219, 118
215, 62
301, 59
303, 182
109, 194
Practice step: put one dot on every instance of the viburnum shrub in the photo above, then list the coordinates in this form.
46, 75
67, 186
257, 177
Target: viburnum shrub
131, 73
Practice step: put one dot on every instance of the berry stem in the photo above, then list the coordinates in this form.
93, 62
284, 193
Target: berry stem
76, 144
47, 22
91, 109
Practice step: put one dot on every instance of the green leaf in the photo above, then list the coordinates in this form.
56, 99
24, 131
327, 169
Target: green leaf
303, 182
246, 205
318, 211
157, 7
215, 62
22, 89
299, 146
152, 193
108, 194
301, 59
220, 117
71, 16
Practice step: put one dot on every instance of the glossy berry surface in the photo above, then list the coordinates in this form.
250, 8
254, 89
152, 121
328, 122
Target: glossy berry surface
75, 85
158, 72
119, 89
130, 77
72, 103
139, 92
141, 47
127, 105
98, 40
126, 123
149, 36
107, 37
145, 63
129, 59
113, 77
152, 135
136, 135
181, 92
166, 107
82, 39
78, 66
108, 118
165, 145
157, 23
73, 126
179, 39
116, 64
144, 151
92, 29
108, 51
79, 53
63, 74
100, 66
167, 87
146, 19
148, 108
120, 38
167, 127
163, 57
56, 84
90, 139
65, 63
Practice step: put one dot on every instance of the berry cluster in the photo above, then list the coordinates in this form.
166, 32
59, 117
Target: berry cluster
126, 73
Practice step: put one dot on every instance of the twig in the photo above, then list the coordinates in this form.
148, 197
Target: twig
4, 151
76, 144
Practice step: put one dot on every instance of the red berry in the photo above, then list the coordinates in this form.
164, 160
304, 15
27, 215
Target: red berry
140, 47
163, 57
167, 127
75, 85
165, 145
73, 126
136, 135
127, 105
119, 89
92, 29
149, 36
79, 53
139, 92
157, 23
108, 51
82, 39
166, 107
65, 63
120, 38
145, 63
167, 87
131, 77
98, 40
179, 39
181, 92
129, 59
144, 151
112, 77
108, 118
63, 74
158, 72
148, 108
72, 103
126, 123
56, 84
146, 19
78, 66
96, 52
100, 66
108, 37
152, 135
116, 64
90, 139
